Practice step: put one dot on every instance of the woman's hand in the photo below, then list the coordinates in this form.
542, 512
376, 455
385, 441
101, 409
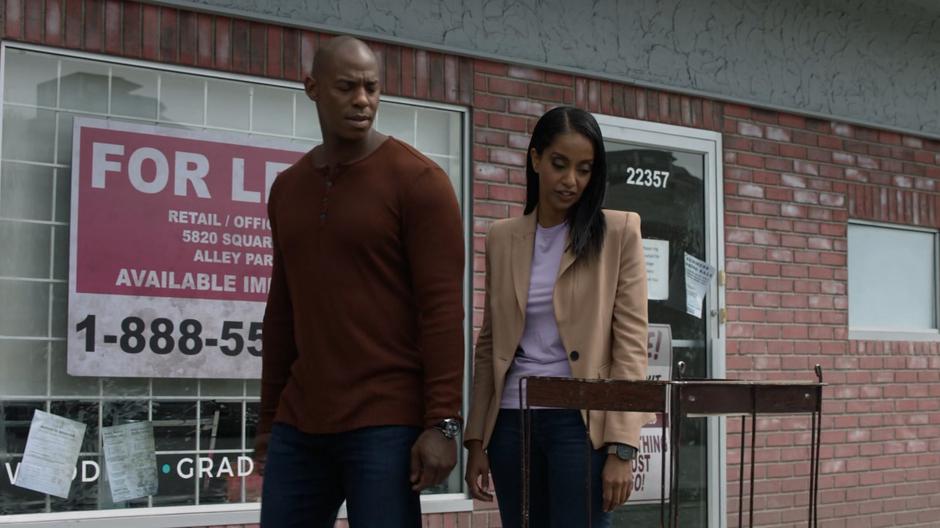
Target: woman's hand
617, 480
478, 472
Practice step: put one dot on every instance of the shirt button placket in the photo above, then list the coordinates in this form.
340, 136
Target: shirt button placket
325, 201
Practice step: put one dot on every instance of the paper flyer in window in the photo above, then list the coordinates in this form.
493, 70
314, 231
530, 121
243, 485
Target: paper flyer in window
648, 468
698, 275
52, 448
656, 254
170, 249
130, 460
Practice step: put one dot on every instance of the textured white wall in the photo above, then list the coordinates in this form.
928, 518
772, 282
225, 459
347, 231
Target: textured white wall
871, 61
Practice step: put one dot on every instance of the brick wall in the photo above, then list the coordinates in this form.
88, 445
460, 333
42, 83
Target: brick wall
791, 184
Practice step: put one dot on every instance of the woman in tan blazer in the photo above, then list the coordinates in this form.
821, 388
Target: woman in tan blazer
565, 296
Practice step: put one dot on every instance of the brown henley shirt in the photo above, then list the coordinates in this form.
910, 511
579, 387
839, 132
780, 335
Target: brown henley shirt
364, 319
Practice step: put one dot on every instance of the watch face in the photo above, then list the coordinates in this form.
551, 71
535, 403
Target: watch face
449, 427
625, 452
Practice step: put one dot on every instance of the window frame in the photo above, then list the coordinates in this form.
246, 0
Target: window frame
874, 334
249, 513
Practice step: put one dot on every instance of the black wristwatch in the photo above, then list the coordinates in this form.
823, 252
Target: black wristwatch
623, 451
448, 427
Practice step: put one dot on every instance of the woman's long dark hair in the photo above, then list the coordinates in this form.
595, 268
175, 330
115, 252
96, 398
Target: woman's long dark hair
585, 218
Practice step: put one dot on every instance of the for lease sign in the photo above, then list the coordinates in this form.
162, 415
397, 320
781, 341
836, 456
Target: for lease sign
170, 250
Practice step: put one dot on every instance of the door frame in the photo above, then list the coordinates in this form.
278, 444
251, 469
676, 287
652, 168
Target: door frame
709, 144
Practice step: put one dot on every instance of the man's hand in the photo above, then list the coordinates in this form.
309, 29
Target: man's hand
617, 480
432, 459
478, 472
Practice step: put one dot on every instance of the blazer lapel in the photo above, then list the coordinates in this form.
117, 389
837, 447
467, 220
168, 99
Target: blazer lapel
567, 259
522, 246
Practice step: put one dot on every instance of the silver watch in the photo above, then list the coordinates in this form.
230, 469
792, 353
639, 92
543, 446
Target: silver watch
448, 427
623, 451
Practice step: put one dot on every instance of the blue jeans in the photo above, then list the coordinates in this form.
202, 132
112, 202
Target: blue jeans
307, 477
558, 470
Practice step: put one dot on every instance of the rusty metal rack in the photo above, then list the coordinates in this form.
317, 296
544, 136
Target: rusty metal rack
676, 400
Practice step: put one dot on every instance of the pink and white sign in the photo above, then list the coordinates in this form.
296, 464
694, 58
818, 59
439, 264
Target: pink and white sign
170, 250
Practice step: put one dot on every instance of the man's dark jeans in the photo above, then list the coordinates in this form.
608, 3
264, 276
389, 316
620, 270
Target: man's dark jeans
307, 478
558, 471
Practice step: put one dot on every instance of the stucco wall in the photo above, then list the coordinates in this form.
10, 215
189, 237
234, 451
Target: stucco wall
868, 61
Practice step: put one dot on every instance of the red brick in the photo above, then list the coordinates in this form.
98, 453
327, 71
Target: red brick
546, 93
750, 160
258, 47
422, 85
451, 79
243, 60
54, 33
408, 72
750, 129
274, 44
33, 21
806, 168
150, 32
593, 96
519, 72
493, 68
502, 86
522, 106
309, 43
94, 25
507, 157
465, 81
132, 37
15, 18
507, 122
484, 171
490, 209
291, 55
169, 35
737, 110
187, 38
507, 193
436, 76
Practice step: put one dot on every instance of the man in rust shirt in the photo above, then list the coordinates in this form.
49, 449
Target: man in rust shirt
363, 330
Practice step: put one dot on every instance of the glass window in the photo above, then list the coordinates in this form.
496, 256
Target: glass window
892, 278
196, 421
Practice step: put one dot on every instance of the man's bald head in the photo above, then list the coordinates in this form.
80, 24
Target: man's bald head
340, 49
344, 84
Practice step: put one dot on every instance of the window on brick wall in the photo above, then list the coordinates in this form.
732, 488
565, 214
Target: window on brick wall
892, 279
195, 420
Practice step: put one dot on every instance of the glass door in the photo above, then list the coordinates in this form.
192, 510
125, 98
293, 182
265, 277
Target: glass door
670, 176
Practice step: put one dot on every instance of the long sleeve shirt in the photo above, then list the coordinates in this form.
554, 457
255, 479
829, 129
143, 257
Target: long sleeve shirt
364, 319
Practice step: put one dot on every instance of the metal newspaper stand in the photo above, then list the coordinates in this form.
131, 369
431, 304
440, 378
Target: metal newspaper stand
689, 397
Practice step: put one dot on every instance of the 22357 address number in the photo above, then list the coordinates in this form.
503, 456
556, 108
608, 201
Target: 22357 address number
162, 336
647, 177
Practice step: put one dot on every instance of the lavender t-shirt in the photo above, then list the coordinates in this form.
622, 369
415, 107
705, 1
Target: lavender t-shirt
540, 352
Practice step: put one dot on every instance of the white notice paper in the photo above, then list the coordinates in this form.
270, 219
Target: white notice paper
698, 275
656, 253
130, 460
52, 449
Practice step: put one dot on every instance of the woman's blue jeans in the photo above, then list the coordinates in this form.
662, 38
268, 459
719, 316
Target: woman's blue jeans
559, 467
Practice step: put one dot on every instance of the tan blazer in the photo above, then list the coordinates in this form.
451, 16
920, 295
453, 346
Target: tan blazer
600, 308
